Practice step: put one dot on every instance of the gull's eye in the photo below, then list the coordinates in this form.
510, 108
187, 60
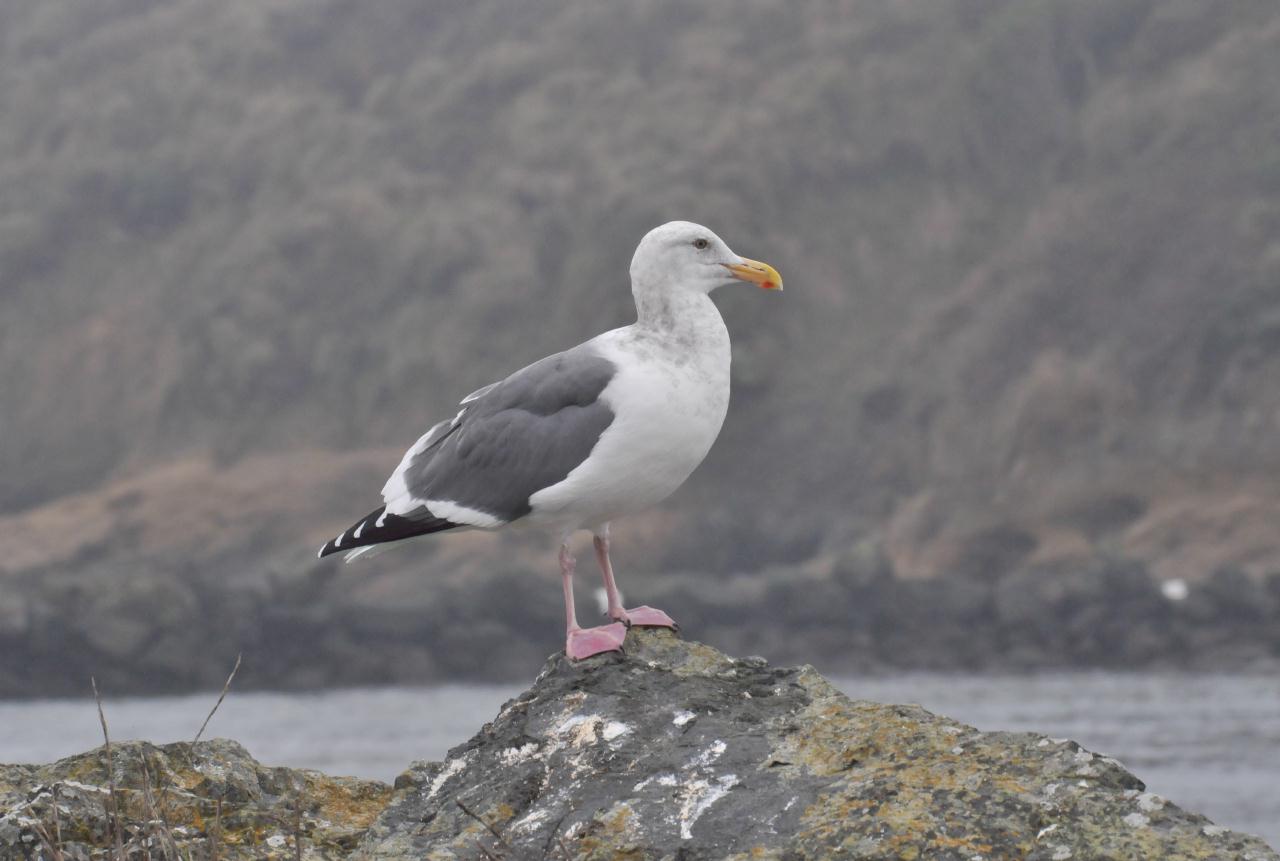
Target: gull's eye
701, 244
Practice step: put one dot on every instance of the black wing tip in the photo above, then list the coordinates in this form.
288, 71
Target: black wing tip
380, 527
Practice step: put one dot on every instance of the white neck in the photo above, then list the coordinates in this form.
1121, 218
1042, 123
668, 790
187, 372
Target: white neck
686, 316
662, 309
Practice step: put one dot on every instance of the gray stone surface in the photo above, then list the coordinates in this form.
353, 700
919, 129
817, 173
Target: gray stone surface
671, 751
675, 751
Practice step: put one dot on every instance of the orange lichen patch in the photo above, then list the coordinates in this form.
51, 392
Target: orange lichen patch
610, 835
188, 780
355, 804
905, 825
88, 768
905, 780
841, 734
684, 658
756, 853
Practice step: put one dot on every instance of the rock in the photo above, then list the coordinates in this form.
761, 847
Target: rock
671, 751
677, 751
178, 800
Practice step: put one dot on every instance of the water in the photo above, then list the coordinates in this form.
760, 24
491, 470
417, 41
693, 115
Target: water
1209, 743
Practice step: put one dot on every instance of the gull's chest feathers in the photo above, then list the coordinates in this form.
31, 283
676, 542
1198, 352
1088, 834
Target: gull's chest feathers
669, 399
671, 406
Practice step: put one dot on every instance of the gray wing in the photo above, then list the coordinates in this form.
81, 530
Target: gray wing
509, 440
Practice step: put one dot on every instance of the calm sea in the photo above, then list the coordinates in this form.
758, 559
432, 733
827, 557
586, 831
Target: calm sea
1211, 743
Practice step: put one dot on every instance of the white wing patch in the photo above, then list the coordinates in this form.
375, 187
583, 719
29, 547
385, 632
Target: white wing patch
455, 513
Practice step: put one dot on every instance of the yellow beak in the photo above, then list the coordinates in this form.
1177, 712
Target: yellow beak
756, 272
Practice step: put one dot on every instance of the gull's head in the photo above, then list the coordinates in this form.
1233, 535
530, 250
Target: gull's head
681, 255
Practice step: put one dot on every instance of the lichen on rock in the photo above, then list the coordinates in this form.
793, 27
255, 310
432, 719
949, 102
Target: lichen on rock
210, 799
671, 751
674, 750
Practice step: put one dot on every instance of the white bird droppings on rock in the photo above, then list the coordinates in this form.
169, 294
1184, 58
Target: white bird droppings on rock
708, 756
699, 796
452, 768
613, 729
682, 717
667, 779
513, 755
531, 821
83, 787
580, 729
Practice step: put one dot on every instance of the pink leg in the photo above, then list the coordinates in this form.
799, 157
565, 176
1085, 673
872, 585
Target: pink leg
643, 616
580, 642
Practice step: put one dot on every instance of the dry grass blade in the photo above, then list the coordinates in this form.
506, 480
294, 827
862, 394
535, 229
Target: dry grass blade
215, 838
297, 827
156, 813
225, 687
506, 847
51, 845
57, 826
114, 814
496, 834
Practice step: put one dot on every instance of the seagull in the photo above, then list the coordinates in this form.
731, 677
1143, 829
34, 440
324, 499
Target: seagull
580, 438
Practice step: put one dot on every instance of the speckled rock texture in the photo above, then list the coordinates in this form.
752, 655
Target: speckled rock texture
675, 751
671, 751
181, 801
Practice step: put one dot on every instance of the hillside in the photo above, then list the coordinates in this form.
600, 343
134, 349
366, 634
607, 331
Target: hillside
248, 252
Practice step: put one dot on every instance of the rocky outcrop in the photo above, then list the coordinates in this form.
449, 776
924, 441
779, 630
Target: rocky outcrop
672, 750
181, 801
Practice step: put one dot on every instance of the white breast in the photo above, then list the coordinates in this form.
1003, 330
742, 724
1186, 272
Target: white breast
669, 402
